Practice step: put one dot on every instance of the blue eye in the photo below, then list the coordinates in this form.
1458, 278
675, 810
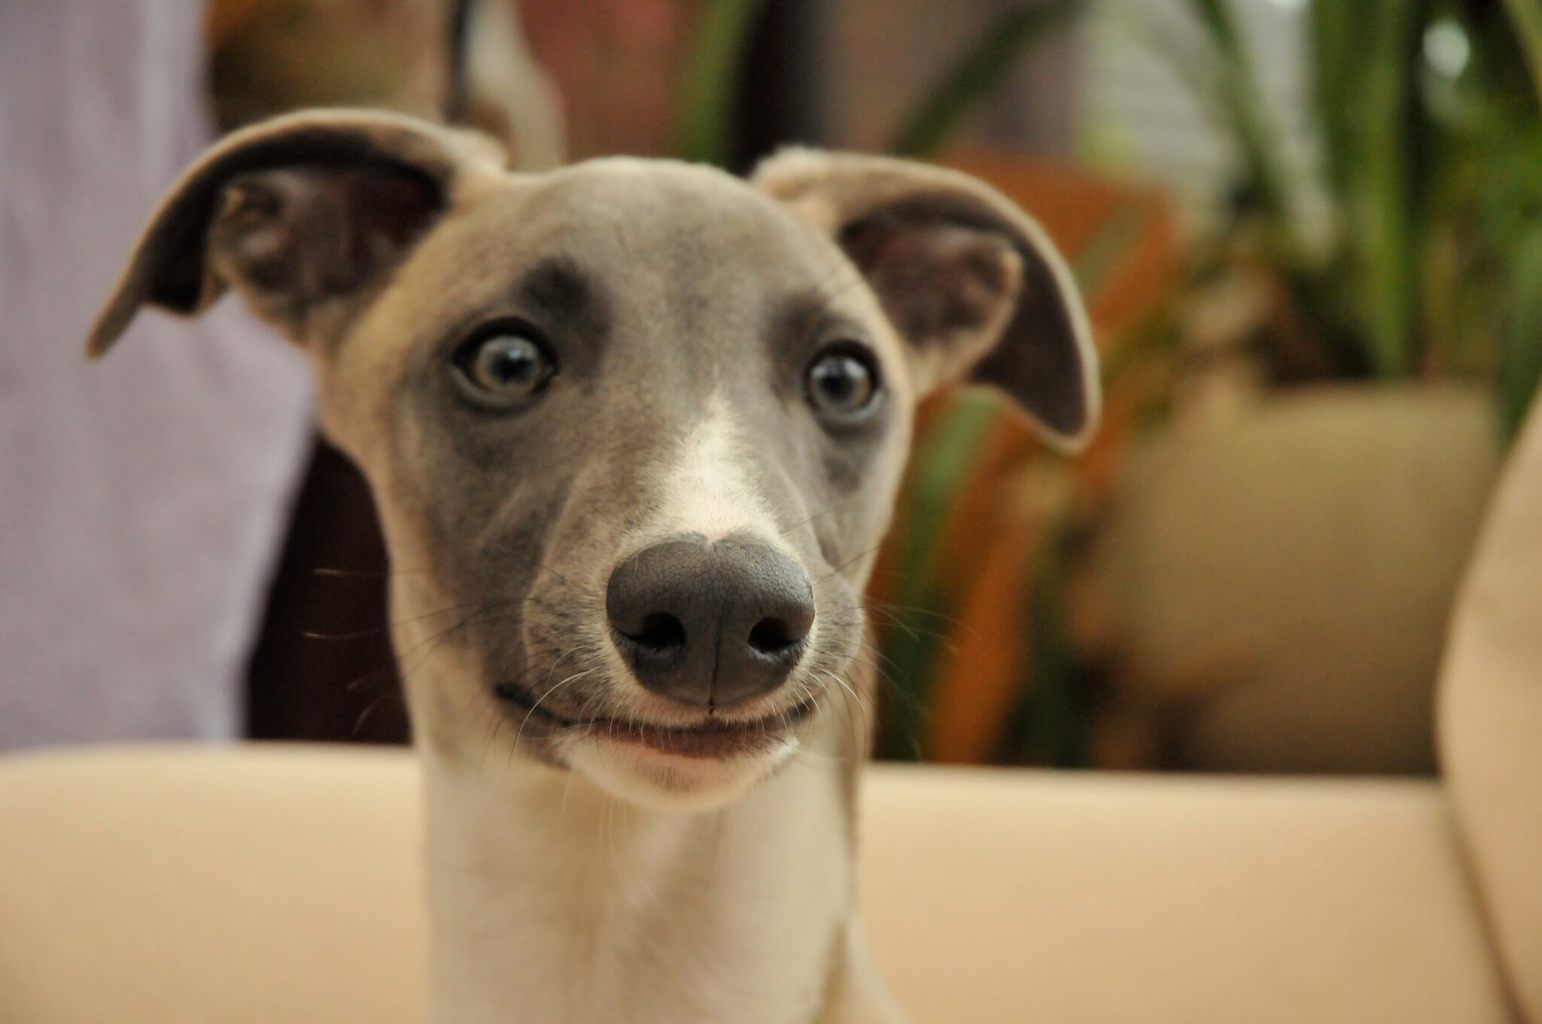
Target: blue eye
508, 366
842, 383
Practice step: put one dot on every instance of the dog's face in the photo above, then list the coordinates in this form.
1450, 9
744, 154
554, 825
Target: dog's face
634, 428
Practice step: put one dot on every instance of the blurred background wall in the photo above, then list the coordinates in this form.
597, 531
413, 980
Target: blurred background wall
140, 502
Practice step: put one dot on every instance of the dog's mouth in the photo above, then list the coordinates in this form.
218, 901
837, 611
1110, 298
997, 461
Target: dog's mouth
712, 738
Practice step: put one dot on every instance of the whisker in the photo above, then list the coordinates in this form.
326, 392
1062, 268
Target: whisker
358, 723
916, 610
833, 506
836, 570
377, 630
376, 574
553, 689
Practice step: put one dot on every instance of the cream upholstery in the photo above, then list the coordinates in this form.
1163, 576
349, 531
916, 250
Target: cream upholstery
280, 884
1033, 897
1490, 725
213, 886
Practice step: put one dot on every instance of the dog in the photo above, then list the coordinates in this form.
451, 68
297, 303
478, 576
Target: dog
634, 429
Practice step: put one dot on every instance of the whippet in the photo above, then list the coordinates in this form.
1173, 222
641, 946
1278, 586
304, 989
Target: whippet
634, 429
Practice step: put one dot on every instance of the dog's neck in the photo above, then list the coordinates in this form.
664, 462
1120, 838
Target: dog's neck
551, 900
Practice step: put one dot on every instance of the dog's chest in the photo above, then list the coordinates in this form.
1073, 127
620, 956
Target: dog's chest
611, 914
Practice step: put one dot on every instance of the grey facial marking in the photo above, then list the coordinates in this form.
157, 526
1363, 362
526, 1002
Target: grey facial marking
568, 300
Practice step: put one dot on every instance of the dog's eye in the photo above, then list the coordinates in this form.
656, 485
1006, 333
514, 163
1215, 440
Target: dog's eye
508, 365
843, 383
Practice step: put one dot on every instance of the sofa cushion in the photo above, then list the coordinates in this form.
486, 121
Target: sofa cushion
199, 885
281, 884
1106, 898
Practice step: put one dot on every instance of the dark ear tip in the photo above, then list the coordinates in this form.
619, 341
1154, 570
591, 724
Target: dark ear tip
109, 326
98, 342
1063, 439
1076, 436
1067, 430
1079, 430
1071, 444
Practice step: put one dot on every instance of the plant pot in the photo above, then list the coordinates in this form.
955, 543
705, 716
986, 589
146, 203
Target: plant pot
1270, 594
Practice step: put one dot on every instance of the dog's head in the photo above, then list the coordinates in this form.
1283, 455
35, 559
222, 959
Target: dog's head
633, 427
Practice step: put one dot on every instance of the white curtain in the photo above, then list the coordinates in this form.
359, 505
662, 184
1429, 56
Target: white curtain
141, 498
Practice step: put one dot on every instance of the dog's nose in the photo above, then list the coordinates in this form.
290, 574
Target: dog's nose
710, 624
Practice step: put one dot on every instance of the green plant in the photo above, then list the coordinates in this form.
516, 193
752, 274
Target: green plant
711, 79
712, 69
976, 74
1429, 119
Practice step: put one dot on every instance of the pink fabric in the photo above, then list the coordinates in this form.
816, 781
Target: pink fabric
141, 498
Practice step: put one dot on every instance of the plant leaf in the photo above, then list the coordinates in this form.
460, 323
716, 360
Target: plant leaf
710, 80
1526, 17
1520, 357
976, 74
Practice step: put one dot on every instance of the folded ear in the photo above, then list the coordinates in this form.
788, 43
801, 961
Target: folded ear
969, 280
301, 213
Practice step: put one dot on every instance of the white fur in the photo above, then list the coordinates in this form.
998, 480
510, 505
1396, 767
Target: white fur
649, 778
706, 488
553, 901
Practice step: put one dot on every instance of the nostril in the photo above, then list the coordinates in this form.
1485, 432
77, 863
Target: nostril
773, 636
660, 633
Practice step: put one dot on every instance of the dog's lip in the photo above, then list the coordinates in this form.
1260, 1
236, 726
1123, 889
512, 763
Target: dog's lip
711, 738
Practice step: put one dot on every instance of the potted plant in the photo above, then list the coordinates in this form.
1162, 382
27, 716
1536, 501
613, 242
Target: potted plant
1269, 585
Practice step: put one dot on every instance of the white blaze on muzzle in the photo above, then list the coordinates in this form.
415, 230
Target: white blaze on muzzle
709, 488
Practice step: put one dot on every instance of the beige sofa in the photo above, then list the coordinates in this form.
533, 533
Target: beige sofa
279, 884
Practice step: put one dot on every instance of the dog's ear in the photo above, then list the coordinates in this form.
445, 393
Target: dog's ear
969, 281
302, 213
